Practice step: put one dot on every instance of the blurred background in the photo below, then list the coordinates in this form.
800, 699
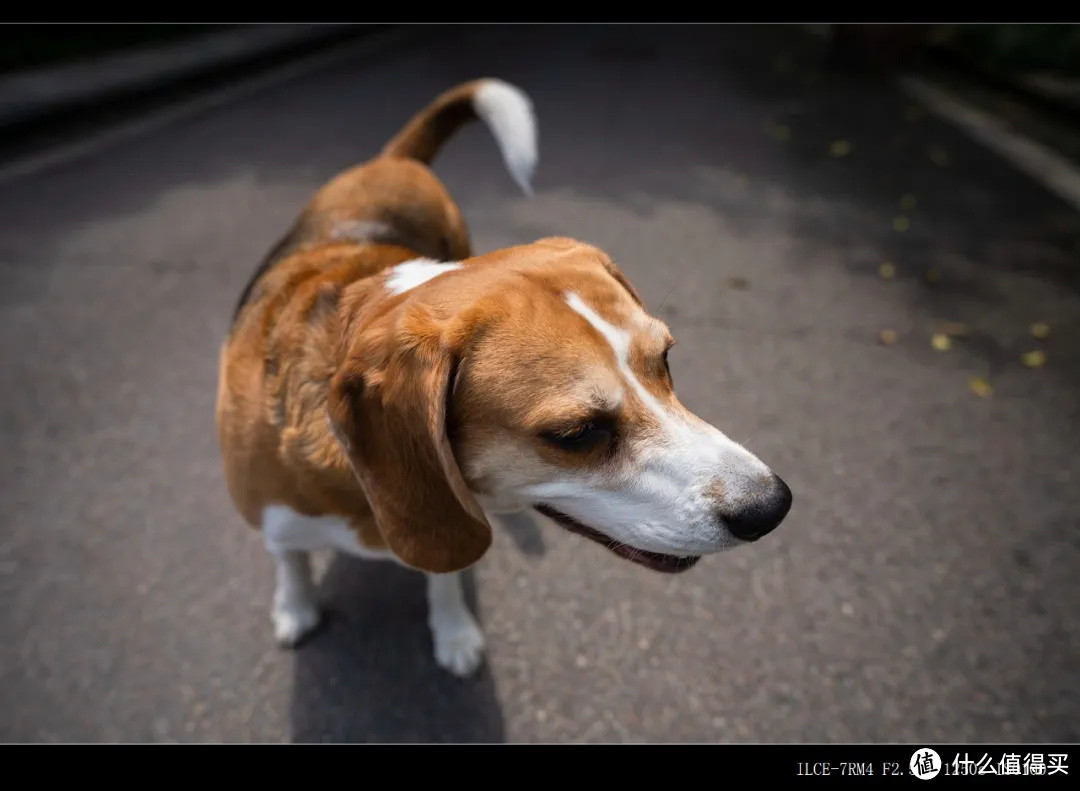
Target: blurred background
866, 240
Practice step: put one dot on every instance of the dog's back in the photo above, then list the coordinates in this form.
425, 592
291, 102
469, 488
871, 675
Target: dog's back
395, 199
285, 326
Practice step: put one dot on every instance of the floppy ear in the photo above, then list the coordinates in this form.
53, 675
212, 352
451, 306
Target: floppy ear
388, 406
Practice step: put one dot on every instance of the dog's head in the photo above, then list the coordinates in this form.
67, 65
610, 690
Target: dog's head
534, 377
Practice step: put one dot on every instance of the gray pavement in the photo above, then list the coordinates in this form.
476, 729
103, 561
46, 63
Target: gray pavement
924, 587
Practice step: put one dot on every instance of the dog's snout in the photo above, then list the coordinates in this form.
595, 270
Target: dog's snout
762, 513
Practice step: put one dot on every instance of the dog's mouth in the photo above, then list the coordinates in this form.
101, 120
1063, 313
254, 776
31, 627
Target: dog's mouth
657, 561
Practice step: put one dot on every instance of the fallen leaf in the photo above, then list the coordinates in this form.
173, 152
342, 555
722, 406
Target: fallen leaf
1034, 359
901, 224
939, 156
908, 202
887, 270
779, 132
888, 337
955, 329
933, 275
941, 342
1040, 330
980, 387
1010, 108
839, 148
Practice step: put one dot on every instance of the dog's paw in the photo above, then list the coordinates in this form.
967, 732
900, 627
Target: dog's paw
293, 624
459, 646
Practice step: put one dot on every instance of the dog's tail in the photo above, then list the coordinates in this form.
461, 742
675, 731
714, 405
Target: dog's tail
506, 110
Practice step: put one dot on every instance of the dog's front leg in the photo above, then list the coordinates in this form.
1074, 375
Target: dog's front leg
295, 612
289, 538
459, 643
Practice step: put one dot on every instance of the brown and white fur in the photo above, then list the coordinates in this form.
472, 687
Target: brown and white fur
382, 391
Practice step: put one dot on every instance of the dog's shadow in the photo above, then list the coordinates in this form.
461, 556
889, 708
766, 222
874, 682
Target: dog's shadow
369, 674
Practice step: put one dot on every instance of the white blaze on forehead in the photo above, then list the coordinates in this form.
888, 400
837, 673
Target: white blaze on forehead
410, 274
619, 340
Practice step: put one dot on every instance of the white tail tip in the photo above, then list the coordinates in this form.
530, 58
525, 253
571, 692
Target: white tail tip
508, 112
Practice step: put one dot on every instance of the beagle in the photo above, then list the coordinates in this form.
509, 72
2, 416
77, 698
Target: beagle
382, 391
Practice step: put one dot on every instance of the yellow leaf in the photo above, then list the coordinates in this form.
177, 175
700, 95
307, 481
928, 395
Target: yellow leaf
941, 341
1040, 330
1034, 359
980, 387
840, 148
888, 337
933, 275
939, 156
956, 329
901, 224
908, 202
887, 271
1011, 108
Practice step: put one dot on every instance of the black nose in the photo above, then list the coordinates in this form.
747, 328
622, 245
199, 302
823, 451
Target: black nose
762, 514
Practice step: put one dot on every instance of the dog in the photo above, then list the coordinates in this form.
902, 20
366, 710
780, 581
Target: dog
382, 391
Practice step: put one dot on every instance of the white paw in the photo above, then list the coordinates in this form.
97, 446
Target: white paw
292, 624
459, 646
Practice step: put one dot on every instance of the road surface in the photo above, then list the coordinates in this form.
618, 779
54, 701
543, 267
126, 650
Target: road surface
924, 587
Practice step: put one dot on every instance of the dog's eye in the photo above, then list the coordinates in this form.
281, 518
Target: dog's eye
667, 366
580, 437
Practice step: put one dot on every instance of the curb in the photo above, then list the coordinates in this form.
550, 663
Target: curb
224, 87
36, 96
1058, 97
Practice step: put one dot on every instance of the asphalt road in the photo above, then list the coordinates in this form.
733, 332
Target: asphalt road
924, 587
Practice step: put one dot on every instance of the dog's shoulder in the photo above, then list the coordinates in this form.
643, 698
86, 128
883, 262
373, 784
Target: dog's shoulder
281, 355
